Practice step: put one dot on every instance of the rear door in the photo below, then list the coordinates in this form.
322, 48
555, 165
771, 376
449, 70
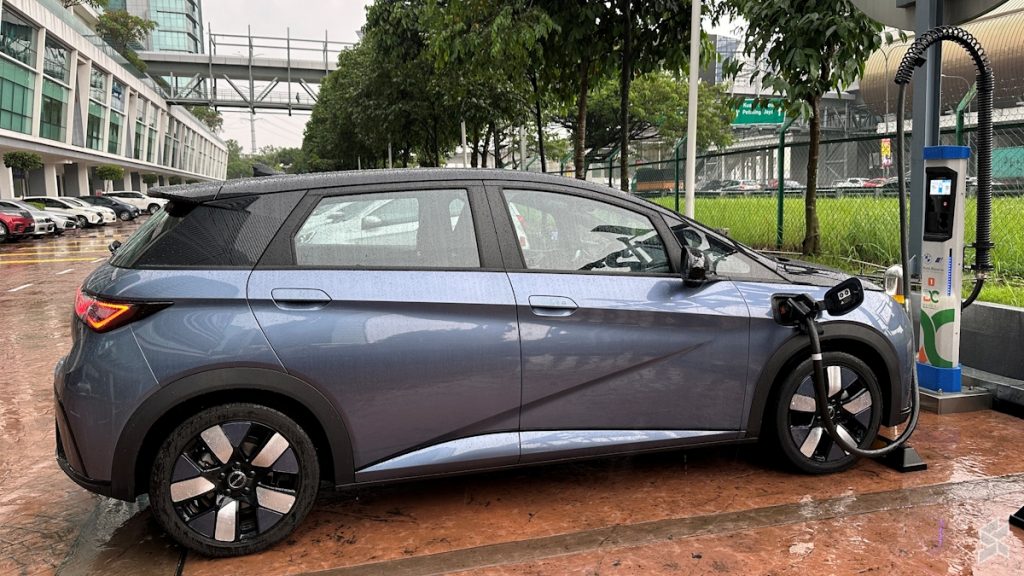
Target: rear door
616, 351
393, 301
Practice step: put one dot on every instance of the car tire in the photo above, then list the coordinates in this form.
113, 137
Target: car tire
124, 216
83, 222
234, 479
855, 398
153, 209
4, 234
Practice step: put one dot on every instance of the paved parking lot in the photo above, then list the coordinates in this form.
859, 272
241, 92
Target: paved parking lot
720, 511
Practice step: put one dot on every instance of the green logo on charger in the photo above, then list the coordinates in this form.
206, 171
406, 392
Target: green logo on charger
929, 326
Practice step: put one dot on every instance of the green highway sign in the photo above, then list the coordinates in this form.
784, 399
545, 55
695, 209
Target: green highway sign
749, 114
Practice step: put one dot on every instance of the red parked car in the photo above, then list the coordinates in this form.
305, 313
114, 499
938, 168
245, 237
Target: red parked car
15, 224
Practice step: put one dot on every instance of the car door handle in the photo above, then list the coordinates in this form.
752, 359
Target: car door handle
299, 298
553, 306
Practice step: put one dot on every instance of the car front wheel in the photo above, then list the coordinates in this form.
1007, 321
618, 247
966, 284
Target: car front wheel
234, 479
124, 216
854, 401
153, 209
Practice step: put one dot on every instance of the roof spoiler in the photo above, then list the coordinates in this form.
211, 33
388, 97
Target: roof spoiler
188, 193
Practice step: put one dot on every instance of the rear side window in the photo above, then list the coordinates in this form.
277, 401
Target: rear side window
427, 229
223, 233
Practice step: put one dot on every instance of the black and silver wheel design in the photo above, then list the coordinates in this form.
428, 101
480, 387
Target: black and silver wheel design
83, 222
124, 216
234, 479
854, 402
3, 232
153, 209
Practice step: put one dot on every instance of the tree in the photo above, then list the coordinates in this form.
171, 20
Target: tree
23, 162
208, 115
108, 173
238, 167
91, 3
805, 49
495, 48
150, 179
124, 32
658, 103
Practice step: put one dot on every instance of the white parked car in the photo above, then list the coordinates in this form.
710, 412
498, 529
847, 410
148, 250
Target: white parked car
851, 183
145, 203
85, 216
109, 215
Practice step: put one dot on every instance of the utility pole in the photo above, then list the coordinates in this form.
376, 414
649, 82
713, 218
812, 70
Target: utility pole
691, 109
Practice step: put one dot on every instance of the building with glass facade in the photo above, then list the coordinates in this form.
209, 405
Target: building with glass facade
179, 23
68, 97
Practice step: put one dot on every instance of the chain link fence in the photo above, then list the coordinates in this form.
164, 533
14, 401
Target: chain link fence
738, 190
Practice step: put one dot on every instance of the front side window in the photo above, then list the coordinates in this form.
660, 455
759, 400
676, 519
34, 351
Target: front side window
725, 258
428, 229
559, 232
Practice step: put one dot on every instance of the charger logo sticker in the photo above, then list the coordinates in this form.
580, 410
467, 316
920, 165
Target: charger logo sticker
929, 326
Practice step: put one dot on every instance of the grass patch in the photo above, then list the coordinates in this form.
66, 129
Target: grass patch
865, 229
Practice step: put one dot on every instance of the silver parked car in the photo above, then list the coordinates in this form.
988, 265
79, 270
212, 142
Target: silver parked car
44, 223
260, 336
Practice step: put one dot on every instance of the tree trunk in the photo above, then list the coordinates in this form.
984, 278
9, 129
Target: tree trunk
579, 146
626, 76
487, 144
405, 156
498, 162
540, 122
475, 154
812, 235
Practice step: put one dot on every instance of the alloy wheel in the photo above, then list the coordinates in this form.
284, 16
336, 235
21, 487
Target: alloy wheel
235, 481
850, 404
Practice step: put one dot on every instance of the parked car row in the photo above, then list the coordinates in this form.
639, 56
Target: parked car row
38, 216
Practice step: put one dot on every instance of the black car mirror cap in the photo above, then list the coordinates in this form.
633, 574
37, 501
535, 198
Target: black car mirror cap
113, 246
844, 297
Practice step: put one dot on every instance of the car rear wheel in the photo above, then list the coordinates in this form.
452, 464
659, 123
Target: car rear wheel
153, 209
3, 233
234, 479
83, 222
854, 401
124, 216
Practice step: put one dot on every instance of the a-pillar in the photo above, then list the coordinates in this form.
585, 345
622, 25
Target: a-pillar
76, 180
6, 182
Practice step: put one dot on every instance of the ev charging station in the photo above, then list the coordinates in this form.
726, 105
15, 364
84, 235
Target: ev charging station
942, 250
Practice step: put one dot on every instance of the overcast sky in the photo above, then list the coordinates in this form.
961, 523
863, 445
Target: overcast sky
341, 19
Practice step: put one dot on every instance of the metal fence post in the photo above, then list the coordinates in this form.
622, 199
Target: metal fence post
675, 156
781, 182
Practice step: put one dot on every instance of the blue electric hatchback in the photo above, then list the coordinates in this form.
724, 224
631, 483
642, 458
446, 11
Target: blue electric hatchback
258, 337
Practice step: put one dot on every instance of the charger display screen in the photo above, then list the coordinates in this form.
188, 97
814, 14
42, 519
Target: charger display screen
940, 187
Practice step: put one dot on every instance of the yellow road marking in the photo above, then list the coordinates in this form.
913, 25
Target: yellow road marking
96, 250
2, 262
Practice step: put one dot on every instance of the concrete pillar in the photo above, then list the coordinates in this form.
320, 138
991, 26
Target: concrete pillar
127, 184
6, 182
143, 187
37, 95
50, 180
76, 180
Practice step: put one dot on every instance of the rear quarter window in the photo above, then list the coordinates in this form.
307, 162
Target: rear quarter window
230, 233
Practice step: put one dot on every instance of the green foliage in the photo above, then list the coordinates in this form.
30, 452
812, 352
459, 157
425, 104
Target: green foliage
173, 180
208, 115
125, 32
658, 103
806, 48
24, 161
91, 3
290, 160
150, 179
109, 172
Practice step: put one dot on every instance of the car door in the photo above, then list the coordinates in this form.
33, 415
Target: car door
404, 318
616, 352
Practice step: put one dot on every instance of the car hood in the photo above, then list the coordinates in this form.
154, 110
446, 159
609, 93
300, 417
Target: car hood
801, 272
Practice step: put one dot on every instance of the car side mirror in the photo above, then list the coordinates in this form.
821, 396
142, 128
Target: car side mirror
844, 297
371, 222
114, 246
695, 267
